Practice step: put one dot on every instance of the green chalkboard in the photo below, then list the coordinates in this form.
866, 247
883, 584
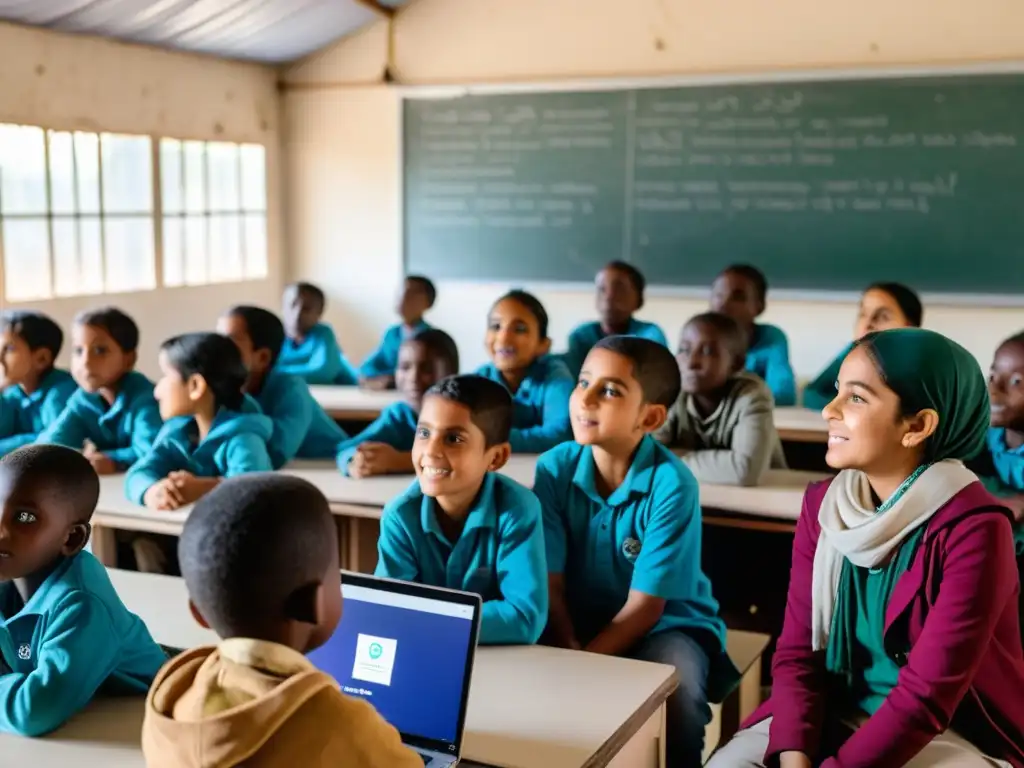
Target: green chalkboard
824, 185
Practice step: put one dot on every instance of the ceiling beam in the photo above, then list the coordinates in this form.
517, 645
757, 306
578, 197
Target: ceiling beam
376, 7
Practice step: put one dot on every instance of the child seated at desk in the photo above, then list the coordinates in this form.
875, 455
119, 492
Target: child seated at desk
620, 293
418, 295
260, 559
34, 392
113, 417
66, 636
518, 344
311, 349
464, 526
301, 427
901, 644
741, 292
1005, 442
723, 419
622, 530
213, 430
883, 306
384, 447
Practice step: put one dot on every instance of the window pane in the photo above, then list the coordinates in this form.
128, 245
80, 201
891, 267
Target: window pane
174, 256
195, 177
195, 250
225, 249
254, 177
87, 160
255, 246
170, 175
22, 169
222, 162
62, 174
26, 259
129, 254
90, 255
127, 174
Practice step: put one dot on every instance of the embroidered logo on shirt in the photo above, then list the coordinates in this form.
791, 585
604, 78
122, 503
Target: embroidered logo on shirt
24, 651
631, 549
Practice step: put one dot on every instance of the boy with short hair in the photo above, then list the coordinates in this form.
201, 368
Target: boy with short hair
464, 526
622, 528
113, 417
66, 635
741, 291
260, 560
723, 419
34, 392
384, 447
417, 296
311, 349
302, 429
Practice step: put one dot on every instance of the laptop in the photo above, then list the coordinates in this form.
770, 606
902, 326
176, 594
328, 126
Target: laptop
408, 649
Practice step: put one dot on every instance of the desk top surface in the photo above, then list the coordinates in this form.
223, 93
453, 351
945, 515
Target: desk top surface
528, 705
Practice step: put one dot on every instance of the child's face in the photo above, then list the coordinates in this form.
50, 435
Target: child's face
449, 453
417, 371
513, 338
865, 428
97, 361
705, 361
734, 295
1006, 387
301, 311
175, 395
20, 364
412, 302
36, 526
607, 407
234, 327
878, 312
617, 297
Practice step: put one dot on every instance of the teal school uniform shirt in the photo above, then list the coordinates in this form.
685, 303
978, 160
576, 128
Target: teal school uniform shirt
822, 390
124, 430
645, 536
23, 417
73, 639
236, 444
587, 335
318, 359
302, 429
396, 426
540, 418
768, 357
499, 555
1009, 469
384, 359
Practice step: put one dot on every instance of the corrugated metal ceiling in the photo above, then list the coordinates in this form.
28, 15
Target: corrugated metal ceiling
262, 30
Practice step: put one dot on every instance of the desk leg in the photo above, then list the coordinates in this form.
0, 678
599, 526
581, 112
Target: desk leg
361, 544
646, 747
750, 691
104, 545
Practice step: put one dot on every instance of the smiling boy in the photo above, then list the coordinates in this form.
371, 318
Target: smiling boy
462, 525
1006, 437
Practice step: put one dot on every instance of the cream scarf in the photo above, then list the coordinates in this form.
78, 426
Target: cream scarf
852, 529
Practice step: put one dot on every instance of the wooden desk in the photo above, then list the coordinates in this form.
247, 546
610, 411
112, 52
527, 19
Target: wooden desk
801, 425
353, 403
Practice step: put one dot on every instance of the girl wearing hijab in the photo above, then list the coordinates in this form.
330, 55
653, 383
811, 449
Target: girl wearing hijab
883, 306
901, 644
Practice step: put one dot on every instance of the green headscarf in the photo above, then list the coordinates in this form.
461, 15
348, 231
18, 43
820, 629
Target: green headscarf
927, 370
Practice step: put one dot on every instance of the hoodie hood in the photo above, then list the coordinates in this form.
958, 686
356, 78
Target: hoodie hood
207, 711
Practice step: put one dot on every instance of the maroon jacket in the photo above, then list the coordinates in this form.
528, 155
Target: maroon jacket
958, 602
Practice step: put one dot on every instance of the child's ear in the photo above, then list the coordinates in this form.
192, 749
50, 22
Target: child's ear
131, 359
202, 622
42, 359
920, 427
305, 604
499, 456
739, 362
261, 359
545, 346
77, 538
652, 417
197, 387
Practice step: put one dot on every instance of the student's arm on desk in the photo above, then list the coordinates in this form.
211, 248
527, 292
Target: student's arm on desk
750, 453
145, 427
247, 453
68, 429
76, 654
157, 464
560, 625
292, 415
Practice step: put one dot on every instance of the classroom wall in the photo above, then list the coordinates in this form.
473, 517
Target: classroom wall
342, 139
68, 82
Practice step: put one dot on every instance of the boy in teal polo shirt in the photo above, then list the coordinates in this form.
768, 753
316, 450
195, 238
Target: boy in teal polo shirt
462, 525
311, 349
65, 634
418, 295
622, 529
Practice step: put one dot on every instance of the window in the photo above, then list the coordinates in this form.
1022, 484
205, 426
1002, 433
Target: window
214, 212
78, 212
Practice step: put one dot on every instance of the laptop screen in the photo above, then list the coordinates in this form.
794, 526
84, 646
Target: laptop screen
407, 649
